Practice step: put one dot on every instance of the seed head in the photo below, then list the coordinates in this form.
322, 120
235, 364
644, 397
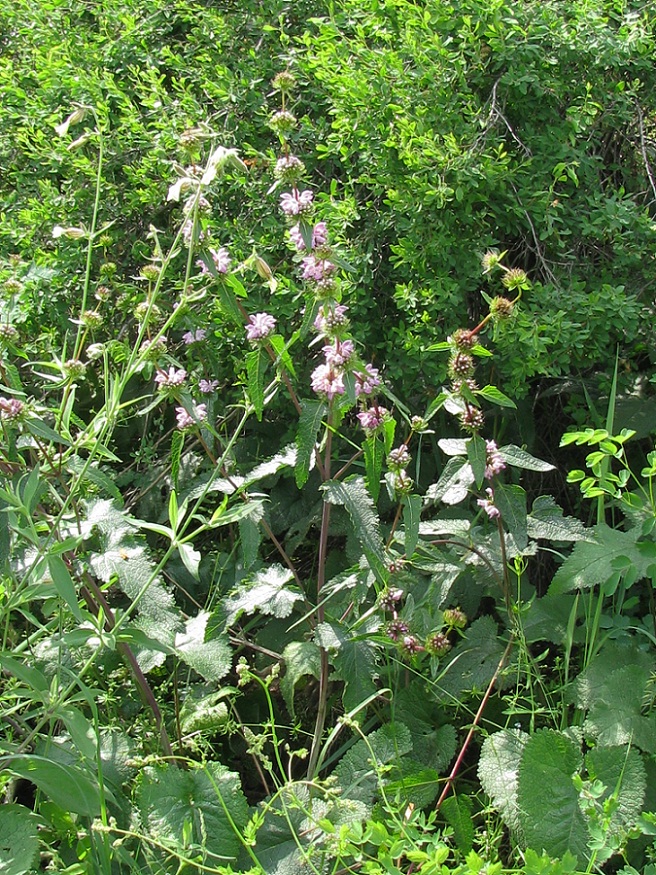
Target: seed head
461, 365
437, 644
472, 419
455, 618
284, 81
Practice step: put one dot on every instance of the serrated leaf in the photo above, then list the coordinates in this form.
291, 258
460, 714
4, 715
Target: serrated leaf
355, 663
255, 370
548, 802
511, 503
495, 396
19, 839
359, 770
593, 562
211, 659
546, 521
411, 520
477, 455
312, 415
353, 495
281, 348
267, 591
498, 770
204, 807
516, 457
301, 658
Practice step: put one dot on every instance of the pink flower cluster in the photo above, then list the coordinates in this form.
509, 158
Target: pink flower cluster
494, 461
260, 325
296, 203
317, 269
319, 236
221, 259
171, 379
488, 505
196, 336
185, 419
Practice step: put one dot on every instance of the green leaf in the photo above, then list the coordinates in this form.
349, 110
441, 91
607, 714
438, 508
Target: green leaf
211, 659
473, 661
621, 771
281, 347
255, 369
19, 839
411, 520
546, 521
595, 562
301, 658
312, 415
267, 591
354, 661
190, 558
67, 786
548, 802
353, 495
458, 813
477, 455
374, 455
453, 485
177, 442
516, 457
495, 396
498, 771
40, 430
360, 769
511, 502
199, 808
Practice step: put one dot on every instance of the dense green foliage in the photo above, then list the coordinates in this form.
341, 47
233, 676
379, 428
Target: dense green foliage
288, 591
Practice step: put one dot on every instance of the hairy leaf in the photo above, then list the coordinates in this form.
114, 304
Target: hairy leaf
601, 561
353, 495
68, 786
498, 771
546, 521
19, 840
511, 502
453, 485
411, 521
548, 802
211, 659
267, 591
359, 770
516, 457
621, 771
477, 456
458, 813
355, 665
301, 658
473, 661
309, 423
199, 806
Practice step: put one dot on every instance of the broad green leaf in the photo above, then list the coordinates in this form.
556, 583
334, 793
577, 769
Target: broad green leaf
511, 502
360, 770
547, 800
353, 495
63, 583
19, 839
267, 591
301, 658
516, 457
477, 455
44, 432
411, 520
67, 786
286, 458
495, 396
281, 347
199, 808
593, 562
498, 770
255, 369
28, 674
309, 423
211, 659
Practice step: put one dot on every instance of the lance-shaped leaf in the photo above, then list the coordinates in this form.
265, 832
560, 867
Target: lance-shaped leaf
354, 496
477, 455
255, 369
519, 458
312, 414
